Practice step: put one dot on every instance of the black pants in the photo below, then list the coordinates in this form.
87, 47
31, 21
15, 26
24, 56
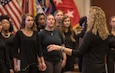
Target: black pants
69, 64
53, 67
31, 69
110, 64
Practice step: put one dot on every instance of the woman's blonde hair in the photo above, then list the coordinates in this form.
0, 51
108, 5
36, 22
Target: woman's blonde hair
97, 22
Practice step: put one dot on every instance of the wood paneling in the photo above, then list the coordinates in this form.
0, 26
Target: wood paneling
108, 6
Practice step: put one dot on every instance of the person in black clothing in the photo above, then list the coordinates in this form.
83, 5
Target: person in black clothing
5, 64
111, 51
40, 21
71, 41
8, 36
27, 48
83, 24
94, 44
49, 35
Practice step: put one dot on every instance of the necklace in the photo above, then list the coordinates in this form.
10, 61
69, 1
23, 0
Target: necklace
52, 33
6, 35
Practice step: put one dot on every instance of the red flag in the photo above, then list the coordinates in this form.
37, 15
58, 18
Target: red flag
12, 9
69, 8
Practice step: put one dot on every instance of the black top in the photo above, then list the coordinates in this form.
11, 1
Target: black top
69, 43
111, 51
51, 37
93, 49
4, 54
9, 44
29, 48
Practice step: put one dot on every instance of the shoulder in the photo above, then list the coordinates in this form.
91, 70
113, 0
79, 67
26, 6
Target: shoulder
57, 31
42, 32
19, 32
89, 33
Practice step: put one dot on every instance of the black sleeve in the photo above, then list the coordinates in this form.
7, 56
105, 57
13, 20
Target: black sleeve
17, 44
84, 46
61, 36
39, 49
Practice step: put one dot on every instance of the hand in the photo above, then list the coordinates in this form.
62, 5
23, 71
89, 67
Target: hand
16, 68
63, 63
42, 66
11, 71
53, 47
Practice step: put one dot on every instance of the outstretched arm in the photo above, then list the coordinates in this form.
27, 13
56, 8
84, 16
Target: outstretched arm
61, 48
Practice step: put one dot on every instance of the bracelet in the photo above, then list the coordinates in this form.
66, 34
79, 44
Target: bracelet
62, 48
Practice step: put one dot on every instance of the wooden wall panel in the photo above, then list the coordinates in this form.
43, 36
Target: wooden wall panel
107, 5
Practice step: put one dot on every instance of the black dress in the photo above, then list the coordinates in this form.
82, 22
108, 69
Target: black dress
9, 43
93, 49
73, 45
5, 64
28, 48
111, 54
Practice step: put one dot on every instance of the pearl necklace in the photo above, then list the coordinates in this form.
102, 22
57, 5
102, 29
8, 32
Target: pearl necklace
6, 35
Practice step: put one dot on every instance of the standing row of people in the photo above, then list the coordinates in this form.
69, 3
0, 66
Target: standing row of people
28, 50
42, 49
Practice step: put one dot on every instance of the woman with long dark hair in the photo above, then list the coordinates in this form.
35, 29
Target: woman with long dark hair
27, 48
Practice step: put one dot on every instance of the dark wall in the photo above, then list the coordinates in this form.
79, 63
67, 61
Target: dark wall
107, 5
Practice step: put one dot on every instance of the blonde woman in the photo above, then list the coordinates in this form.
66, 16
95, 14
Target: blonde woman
94, 44
49, 35
58, 16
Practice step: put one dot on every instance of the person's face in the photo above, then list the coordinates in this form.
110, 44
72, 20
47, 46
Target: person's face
67, 22
29, 22
112, 23
5, 24
41, 20
59, 16
50, 21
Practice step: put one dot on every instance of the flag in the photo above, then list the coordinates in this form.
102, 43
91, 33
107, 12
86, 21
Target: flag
38, 8
47, 6
12, 9
69, 8
31, 6
28, 6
